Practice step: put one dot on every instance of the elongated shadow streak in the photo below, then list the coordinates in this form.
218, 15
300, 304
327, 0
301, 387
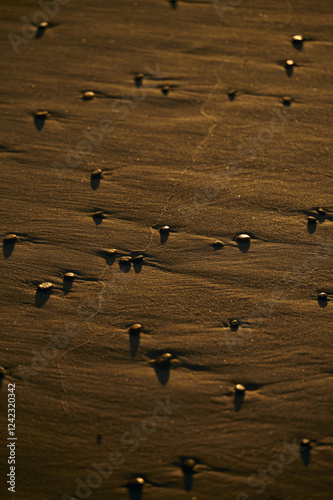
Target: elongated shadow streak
8, 249
134, 340
238, 401
41, 298
163, 374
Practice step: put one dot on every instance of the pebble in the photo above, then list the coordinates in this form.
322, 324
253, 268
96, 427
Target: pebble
125, 260
232, 94
243, 238
99, 214
286, 100
164, 359
188, 465
165, 90
297, 41
42, 115
305, 443
138, 79
97, 174
321, 211
312, 220
112, 252
234, 323
45, 287
217, 244
69, 276
87, 96
135, 329
322, 296
138, 258
136, 484
239, 389
165, 229
10, 238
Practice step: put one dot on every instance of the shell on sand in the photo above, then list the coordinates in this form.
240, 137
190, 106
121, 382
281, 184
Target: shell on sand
135, 328
165, 229
298, 38
321, 211
289, 63
125, 259
43, 25
322, 296
239, 389
45, 287
188, 465
243, 238
69, 276
286, 100
10, 238
42, 114
136, 484
138, 258
305, 443
112, 252
312, 220
234, 323
95, 174
164, 359
87, 96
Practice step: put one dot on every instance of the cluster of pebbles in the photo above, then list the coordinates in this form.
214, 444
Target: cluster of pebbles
166, 359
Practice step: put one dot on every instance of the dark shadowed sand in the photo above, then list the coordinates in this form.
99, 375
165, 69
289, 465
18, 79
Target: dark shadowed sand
197, 122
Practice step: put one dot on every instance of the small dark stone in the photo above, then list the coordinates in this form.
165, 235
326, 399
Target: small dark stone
87, 96
69, 276
164, 359
10, 238
138, 80
136, 484
312, 220
165, 229
239, 389
305, 444
99, 214
45, 287
135, 329
188, 465
234, 323
322, 296
232, 94
165, 90
286, 101
97, 174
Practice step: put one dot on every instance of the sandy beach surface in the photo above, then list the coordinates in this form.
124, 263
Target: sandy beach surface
199, 124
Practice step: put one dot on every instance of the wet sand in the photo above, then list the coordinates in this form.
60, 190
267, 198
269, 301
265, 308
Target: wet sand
203, 142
